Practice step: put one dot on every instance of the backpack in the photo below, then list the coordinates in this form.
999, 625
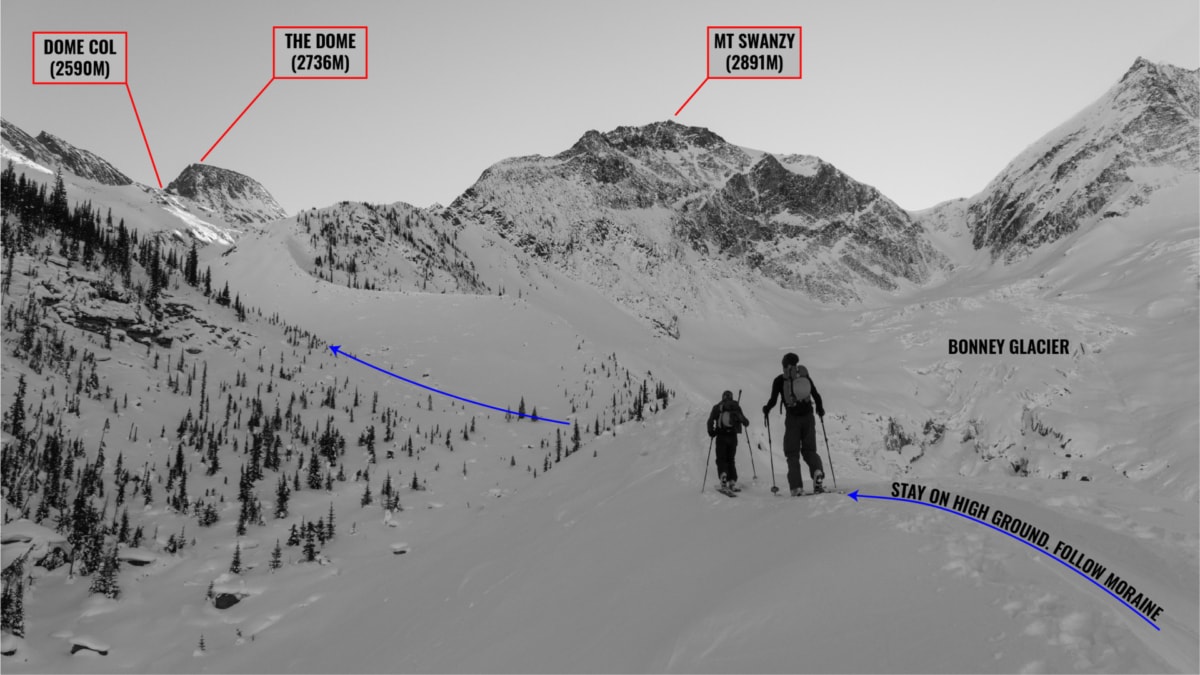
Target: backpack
730, 418
797, 388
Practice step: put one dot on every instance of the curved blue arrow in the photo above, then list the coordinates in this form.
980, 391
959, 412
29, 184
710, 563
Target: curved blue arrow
855, 496
337, 350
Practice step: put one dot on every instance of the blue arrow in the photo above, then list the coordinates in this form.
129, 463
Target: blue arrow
855, 496
337, 350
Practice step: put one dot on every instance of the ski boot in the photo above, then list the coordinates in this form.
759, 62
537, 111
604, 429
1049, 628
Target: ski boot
817, 478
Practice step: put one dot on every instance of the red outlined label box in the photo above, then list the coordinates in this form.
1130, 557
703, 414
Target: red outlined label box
753, 53
319, 52
80, 57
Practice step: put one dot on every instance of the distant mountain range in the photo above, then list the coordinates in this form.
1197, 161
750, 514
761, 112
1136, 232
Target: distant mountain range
659, 215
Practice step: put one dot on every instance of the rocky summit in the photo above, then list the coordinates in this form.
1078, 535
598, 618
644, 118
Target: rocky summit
1139, 137
677, 209
234, 197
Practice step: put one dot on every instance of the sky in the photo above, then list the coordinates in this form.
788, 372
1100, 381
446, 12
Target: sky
925, 100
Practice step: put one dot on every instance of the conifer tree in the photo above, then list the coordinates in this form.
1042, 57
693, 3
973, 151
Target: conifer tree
235, 567
314, 472
104, 582
276, 560
310, 543
15, 419
12, 611
282, 494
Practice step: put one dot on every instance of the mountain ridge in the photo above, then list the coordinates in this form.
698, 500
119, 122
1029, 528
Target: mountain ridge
1136, 138
51, 151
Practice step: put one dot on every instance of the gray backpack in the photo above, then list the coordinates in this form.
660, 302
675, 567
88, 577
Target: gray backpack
797, 388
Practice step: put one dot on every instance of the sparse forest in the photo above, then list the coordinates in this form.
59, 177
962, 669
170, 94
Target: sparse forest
149, 413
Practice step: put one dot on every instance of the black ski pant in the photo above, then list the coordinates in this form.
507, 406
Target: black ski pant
726, 449
800, 438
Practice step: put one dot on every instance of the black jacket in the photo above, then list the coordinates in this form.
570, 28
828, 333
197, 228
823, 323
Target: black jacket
805, 407
714, 420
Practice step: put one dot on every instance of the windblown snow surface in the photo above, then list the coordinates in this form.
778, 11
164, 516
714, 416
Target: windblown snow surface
617, 561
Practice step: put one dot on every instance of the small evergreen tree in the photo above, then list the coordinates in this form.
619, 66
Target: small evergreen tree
276, 557
315, 479
235, 567
282, 493
310, 544
12, 613
104, 582
15, 419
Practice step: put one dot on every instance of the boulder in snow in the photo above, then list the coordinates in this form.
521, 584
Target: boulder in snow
85, 643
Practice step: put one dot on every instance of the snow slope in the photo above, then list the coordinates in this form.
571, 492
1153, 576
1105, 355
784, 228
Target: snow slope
618, 563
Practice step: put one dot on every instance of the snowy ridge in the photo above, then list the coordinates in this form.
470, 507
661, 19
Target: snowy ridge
48, 150
396, 247
1138, 138
8, 155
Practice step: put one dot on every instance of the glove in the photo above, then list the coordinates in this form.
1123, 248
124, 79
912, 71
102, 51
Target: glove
712, 434
821, 413
766, 410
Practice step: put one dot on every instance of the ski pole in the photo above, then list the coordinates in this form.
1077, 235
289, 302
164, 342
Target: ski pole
706, 462
831, 471
770, 453
748, 448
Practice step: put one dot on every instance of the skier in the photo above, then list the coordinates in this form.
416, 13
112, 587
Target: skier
724, 424
799, 394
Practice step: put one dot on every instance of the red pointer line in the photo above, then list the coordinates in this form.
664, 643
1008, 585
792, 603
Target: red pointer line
239, 117
144, 139
689, 99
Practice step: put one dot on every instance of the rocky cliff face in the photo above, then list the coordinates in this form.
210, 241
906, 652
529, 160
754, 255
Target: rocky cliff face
1138, 137
654, 214
53, 152
812, 228
235, 198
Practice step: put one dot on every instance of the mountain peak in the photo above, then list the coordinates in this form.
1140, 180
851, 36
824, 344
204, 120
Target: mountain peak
236, 197
663, 136
1093, 166
1144, 70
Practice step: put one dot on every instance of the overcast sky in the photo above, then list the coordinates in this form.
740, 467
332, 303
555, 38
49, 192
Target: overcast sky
925, 100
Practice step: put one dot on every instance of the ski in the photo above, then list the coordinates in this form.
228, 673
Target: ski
726, 491
825, 492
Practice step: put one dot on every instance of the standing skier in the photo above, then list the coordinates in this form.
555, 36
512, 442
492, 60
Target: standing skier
799, 394
724, 424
